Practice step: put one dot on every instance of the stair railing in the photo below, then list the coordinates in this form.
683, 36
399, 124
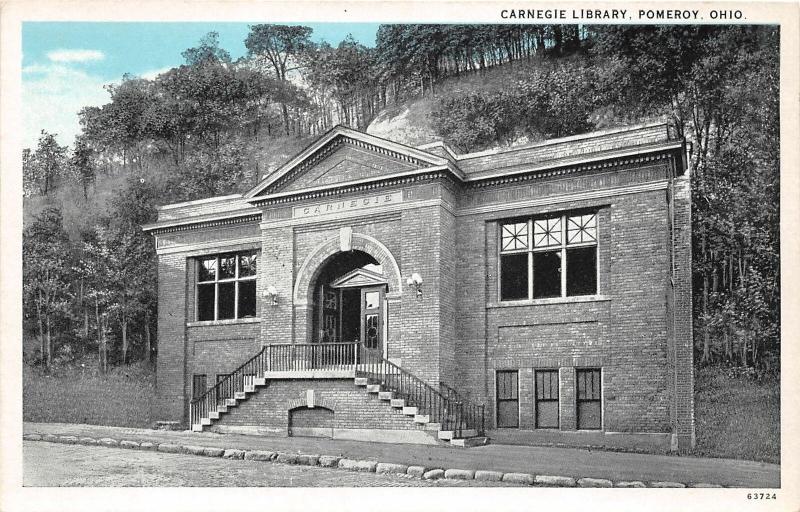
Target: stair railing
208, 402
455, 414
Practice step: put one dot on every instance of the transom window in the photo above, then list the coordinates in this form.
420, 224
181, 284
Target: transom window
548, 256
226, 286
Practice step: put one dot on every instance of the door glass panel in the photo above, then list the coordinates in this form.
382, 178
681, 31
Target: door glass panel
371, 327
372, 300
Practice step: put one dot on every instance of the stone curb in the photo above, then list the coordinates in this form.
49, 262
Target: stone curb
369, 466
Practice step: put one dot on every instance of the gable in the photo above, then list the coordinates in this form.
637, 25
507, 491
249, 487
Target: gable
347, 163
344, 155
359, 277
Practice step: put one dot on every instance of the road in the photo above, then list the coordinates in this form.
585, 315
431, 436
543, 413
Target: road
63, 465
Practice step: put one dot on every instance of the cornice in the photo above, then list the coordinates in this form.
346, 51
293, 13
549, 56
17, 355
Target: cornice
547, 170
222, 221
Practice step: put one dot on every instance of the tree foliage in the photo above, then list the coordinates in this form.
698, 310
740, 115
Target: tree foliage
203, 129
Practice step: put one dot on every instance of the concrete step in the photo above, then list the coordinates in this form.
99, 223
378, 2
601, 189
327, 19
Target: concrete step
470, 441
422, 418
432, 427
250, 389
205, 421
410, 411
373, 388
361, 381
222, 408
197, 428
398, 402
385, 395
231, 402
445, 435
260, 381
240, 395
214, 415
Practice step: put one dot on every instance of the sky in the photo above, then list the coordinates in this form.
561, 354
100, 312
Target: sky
66, 64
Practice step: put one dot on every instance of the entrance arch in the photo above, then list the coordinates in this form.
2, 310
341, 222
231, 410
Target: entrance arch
303, 293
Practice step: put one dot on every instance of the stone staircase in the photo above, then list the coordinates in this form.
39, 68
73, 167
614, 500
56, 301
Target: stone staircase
455, 422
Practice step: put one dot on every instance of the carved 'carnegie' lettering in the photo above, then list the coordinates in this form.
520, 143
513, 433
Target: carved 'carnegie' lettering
352, 204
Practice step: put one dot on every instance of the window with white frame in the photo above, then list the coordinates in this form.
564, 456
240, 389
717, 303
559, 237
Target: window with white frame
548, 256
226, 286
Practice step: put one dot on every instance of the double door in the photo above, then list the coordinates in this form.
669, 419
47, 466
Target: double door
354, 315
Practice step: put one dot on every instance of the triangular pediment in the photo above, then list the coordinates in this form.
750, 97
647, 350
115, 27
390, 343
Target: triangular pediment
359, 278
342, 156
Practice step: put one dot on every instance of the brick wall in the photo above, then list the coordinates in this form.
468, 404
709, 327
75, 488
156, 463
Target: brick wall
170, 366
353, 407
624, 333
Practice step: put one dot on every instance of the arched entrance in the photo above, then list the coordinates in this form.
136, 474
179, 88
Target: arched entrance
350, 301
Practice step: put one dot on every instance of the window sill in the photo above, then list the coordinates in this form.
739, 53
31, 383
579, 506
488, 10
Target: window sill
554, 300
223, 322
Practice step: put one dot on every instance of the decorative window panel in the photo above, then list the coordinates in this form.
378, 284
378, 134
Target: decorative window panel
547, 232
582, 229
514, 236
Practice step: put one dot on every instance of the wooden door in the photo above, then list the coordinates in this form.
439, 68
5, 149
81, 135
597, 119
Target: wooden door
372, 319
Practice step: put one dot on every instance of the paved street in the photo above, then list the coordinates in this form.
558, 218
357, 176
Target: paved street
61, 465
523, 459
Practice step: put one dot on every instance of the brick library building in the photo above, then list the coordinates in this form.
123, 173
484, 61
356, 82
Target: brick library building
371, 290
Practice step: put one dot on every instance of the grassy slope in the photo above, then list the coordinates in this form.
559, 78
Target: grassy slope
737, 417
121, 398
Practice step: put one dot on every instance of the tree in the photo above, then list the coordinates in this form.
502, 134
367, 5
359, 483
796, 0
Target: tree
46, 276
719, 87
208, 51
42, 168
82, 164
279, 46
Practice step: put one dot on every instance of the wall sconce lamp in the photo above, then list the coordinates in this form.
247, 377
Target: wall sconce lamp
271, 293
415, 283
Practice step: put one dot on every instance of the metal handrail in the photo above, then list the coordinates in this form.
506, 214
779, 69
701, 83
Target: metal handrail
452, 414
451, 410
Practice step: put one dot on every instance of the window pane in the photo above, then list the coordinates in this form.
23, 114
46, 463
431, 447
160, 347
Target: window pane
514, 236
582, 271
371, 334
207, 269
508, 414
547, 232
371, 300
546, 274
205, 302
547, 414
198, 385
247, 264
227, 267
589, 415
514, 276
581, 229
247, 299
226, 301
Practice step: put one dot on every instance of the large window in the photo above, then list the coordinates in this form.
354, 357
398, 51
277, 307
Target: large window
226, 286
549, 256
